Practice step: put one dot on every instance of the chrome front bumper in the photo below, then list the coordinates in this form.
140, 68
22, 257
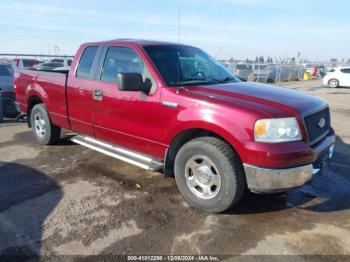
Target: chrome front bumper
262, 180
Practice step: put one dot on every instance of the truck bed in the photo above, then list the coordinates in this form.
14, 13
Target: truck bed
51, 87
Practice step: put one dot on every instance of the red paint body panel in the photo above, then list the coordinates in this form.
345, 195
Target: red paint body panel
141, 122
290, 154
50, 88
79, 100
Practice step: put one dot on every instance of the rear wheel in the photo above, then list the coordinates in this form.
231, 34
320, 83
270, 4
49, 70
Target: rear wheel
333, 83
45, 132
209, 174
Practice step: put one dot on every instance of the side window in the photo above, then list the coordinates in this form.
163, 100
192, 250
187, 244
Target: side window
121, 60
86, 61
124, 60
346, 70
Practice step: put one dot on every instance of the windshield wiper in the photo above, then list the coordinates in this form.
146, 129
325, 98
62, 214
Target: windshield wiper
224, 80
192, 79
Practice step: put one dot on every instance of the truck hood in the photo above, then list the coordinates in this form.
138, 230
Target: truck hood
265, 97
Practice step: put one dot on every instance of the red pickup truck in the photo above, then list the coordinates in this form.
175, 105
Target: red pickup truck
171, 107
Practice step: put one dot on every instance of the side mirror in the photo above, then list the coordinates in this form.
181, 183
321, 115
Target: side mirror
133, 82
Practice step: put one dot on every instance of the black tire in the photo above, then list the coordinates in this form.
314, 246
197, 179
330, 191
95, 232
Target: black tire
8, 105
228, 165
333, 83
51, 134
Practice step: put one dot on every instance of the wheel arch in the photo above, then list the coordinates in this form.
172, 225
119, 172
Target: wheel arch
184, 136
32, 101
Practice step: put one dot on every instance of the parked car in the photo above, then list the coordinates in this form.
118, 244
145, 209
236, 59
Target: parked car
8, 99
274, 71
6, 78
244, 71
172, 107
61, 69
65, 61
48, 66
336, 77
261, 73
285, 75
24, 63
56, 64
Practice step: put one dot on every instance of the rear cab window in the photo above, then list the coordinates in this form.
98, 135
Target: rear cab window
86, 62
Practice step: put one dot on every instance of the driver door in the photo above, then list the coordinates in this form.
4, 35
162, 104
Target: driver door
127, 118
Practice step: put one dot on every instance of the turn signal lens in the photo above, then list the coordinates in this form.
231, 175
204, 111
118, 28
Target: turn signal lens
260, 129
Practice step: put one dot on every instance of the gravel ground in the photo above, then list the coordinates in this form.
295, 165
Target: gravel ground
69, 200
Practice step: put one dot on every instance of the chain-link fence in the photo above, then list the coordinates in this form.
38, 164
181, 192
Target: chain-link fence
267, 73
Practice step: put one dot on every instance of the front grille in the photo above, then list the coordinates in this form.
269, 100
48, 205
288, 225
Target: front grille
313, 124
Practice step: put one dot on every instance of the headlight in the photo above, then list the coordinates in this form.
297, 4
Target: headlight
277, 130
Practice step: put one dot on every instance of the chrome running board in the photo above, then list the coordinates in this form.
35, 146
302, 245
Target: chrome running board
132, 157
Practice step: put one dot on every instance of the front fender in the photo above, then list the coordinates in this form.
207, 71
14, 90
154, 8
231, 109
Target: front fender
228, 126
205, 126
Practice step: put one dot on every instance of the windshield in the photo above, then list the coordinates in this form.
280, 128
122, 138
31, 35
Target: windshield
184, 65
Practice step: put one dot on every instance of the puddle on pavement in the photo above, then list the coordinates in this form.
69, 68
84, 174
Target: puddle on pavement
316, 88
325, 193
339, 93
131, 177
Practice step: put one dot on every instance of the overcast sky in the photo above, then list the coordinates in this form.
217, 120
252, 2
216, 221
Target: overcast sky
226, 28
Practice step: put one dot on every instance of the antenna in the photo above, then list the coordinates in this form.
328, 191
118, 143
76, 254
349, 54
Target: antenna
179, 42
218, 52
178, 21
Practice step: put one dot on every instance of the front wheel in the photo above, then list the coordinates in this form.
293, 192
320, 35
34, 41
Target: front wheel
333, 83
209, 174
45, 131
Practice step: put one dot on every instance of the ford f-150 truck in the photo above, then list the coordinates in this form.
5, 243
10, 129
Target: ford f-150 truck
171, 107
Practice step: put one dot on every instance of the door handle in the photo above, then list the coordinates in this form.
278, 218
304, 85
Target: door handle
97, 94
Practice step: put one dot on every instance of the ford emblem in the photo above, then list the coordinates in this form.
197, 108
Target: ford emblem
322, 123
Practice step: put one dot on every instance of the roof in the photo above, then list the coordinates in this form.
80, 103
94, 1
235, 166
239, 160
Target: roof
139, 42
341, 67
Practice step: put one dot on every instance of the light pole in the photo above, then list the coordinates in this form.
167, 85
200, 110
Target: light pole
56, 49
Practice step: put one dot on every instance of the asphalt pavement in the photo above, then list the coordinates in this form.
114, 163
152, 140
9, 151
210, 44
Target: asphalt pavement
69, 200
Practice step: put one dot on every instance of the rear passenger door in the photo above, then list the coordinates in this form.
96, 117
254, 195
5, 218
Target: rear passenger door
127, 118
79, 92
